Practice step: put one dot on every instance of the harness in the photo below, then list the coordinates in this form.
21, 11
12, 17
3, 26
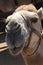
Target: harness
29, 39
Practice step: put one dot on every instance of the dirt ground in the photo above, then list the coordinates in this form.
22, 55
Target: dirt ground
7, 59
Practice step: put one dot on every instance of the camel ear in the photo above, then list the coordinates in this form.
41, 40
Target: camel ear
39, 12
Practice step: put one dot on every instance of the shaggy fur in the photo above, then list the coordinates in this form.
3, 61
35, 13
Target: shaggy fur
18, 30
17, 20
32, 8
29, 7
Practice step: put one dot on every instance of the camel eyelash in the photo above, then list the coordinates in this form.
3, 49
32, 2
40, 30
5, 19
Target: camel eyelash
33, 20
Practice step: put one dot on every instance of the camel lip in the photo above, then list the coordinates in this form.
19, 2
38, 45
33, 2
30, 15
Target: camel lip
17, 50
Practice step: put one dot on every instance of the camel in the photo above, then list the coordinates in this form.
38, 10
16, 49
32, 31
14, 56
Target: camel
22, 29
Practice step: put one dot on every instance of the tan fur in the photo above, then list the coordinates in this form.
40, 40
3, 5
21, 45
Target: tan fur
32, 8
29, 7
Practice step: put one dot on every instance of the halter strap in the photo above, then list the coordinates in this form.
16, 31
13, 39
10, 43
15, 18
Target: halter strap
36, 32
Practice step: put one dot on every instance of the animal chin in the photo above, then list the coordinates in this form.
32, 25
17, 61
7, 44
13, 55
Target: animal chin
17, 50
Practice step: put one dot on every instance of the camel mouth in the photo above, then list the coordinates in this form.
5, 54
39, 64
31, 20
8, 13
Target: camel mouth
16, 42
16, 50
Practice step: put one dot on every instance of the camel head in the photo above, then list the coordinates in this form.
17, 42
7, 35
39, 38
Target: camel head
18, 32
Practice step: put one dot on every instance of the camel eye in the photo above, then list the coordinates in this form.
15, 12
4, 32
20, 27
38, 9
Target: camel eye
34, 20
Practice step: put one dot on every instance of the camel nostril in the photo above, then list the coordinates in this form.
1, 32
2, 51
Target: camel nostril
15, 24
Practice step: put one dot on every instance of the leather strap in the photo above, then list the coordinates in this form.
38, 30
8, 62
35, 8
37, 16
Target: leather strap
36, 32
